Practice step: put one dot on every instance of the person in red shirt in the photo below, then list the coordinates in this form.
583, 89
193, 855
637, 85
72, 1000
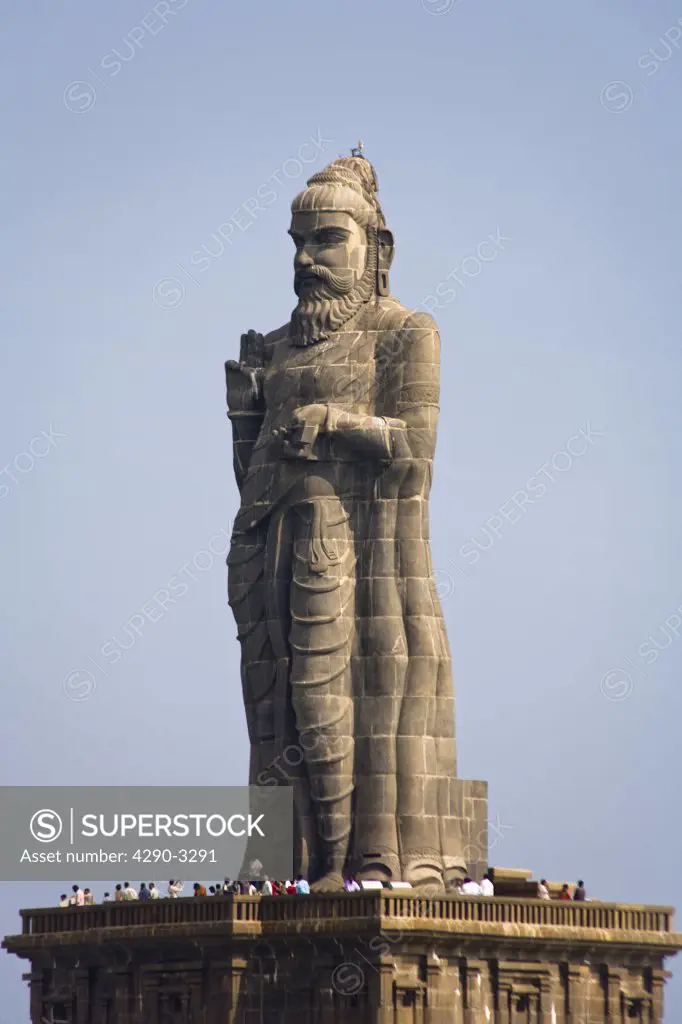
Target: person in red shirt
199, 890
565, 893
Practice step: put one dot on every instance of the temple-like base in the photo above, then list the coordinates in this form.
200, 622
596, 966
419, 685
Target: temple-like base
365, 957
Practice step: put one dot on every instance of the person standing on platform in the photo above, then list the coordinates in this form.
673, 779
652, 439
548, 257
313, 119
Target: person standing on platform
470, 888
487, 887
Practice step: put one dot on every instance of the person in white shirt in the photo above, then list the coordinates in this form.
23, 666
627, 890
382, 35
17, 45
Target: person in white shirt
128, 892
487, 887
78, 898
174, 888
107, 898
543, 890
266, 889
253, 891
64, 900
153, 892
470, 888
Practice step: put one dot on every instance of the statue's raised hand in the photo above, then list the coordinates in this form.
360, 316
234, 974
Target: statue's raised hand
244, 376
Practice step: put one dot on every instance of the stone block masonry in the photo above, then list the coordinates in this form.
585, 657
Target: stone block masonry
347, 958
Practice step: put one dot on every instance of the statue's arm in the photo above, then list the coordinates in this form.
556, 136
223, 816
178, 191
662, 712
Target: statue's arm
408, 388
245, 402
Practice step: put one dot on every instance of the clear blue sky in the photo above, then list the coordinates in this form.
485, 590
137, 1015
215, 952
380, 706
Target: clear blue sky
480, 118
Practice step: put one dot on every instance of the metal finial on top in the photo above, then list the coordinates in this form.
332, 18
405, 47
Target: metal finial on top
357, 150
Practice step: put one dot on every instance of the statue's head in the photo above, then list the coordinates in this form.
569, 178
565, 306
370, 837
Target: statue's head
343, 248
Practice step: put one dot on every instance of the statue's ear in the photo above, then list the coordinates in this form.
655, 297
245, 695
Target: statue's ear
386, 246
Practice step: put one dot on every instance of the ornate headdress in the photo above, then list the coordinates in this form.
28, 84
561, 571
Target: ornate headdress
339, 186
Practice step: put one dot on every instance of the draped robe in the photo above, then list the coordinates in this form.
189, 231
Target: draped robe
346, 669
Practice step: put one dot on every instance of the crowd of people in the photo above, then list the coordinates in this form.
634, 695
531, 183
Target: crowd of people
468, 887
486, 887
268, 887
230, 887
579, 893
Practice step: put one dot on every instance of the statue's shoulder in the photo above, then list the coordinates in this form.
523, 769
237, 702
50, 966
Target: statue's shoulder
391, 315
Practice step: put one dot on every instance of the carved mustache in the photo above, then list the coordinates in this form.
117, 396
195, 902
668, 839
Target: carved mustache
339, 284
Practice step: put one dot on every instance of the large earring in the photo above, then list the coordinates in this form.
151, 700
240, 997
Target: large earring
382, 283
384, 257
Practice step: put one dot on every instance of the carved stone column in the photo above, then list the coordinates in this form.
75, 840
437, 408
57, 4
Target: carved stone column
326, 997
233, 987
548, 983
477, 992
554, 999
613, 982
219, 991
577, 979
439, 1000
36, 982
381, 990
150, 997
123, 995
658, 980
81, 984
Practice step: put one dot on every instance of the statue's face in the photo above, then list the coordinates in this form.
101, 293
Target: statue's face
331, 253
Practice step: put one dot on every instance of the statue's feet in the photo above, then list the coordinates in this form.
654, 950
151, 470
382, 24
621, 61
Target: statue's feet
453, 881
455, 872
429, 889
374, 876
384, 867
425, 877
331, 882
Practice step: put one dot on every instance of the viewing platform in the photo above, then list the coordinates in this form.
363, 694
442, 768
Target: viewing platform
372, 956
255, 915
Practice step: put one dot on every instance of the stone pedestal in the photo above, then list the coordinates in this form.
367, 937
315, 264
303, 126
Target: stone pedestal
471, 799
347, 958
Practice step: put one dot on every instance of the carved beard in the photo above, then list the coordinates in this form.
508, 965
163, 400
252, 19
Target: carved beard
327, 307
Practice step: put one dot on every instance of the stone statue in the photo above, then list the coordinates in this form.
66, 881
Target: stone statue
345, 662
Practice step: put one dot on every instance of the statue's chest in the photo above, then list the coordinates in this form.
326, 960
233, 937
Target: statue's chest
339, 371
